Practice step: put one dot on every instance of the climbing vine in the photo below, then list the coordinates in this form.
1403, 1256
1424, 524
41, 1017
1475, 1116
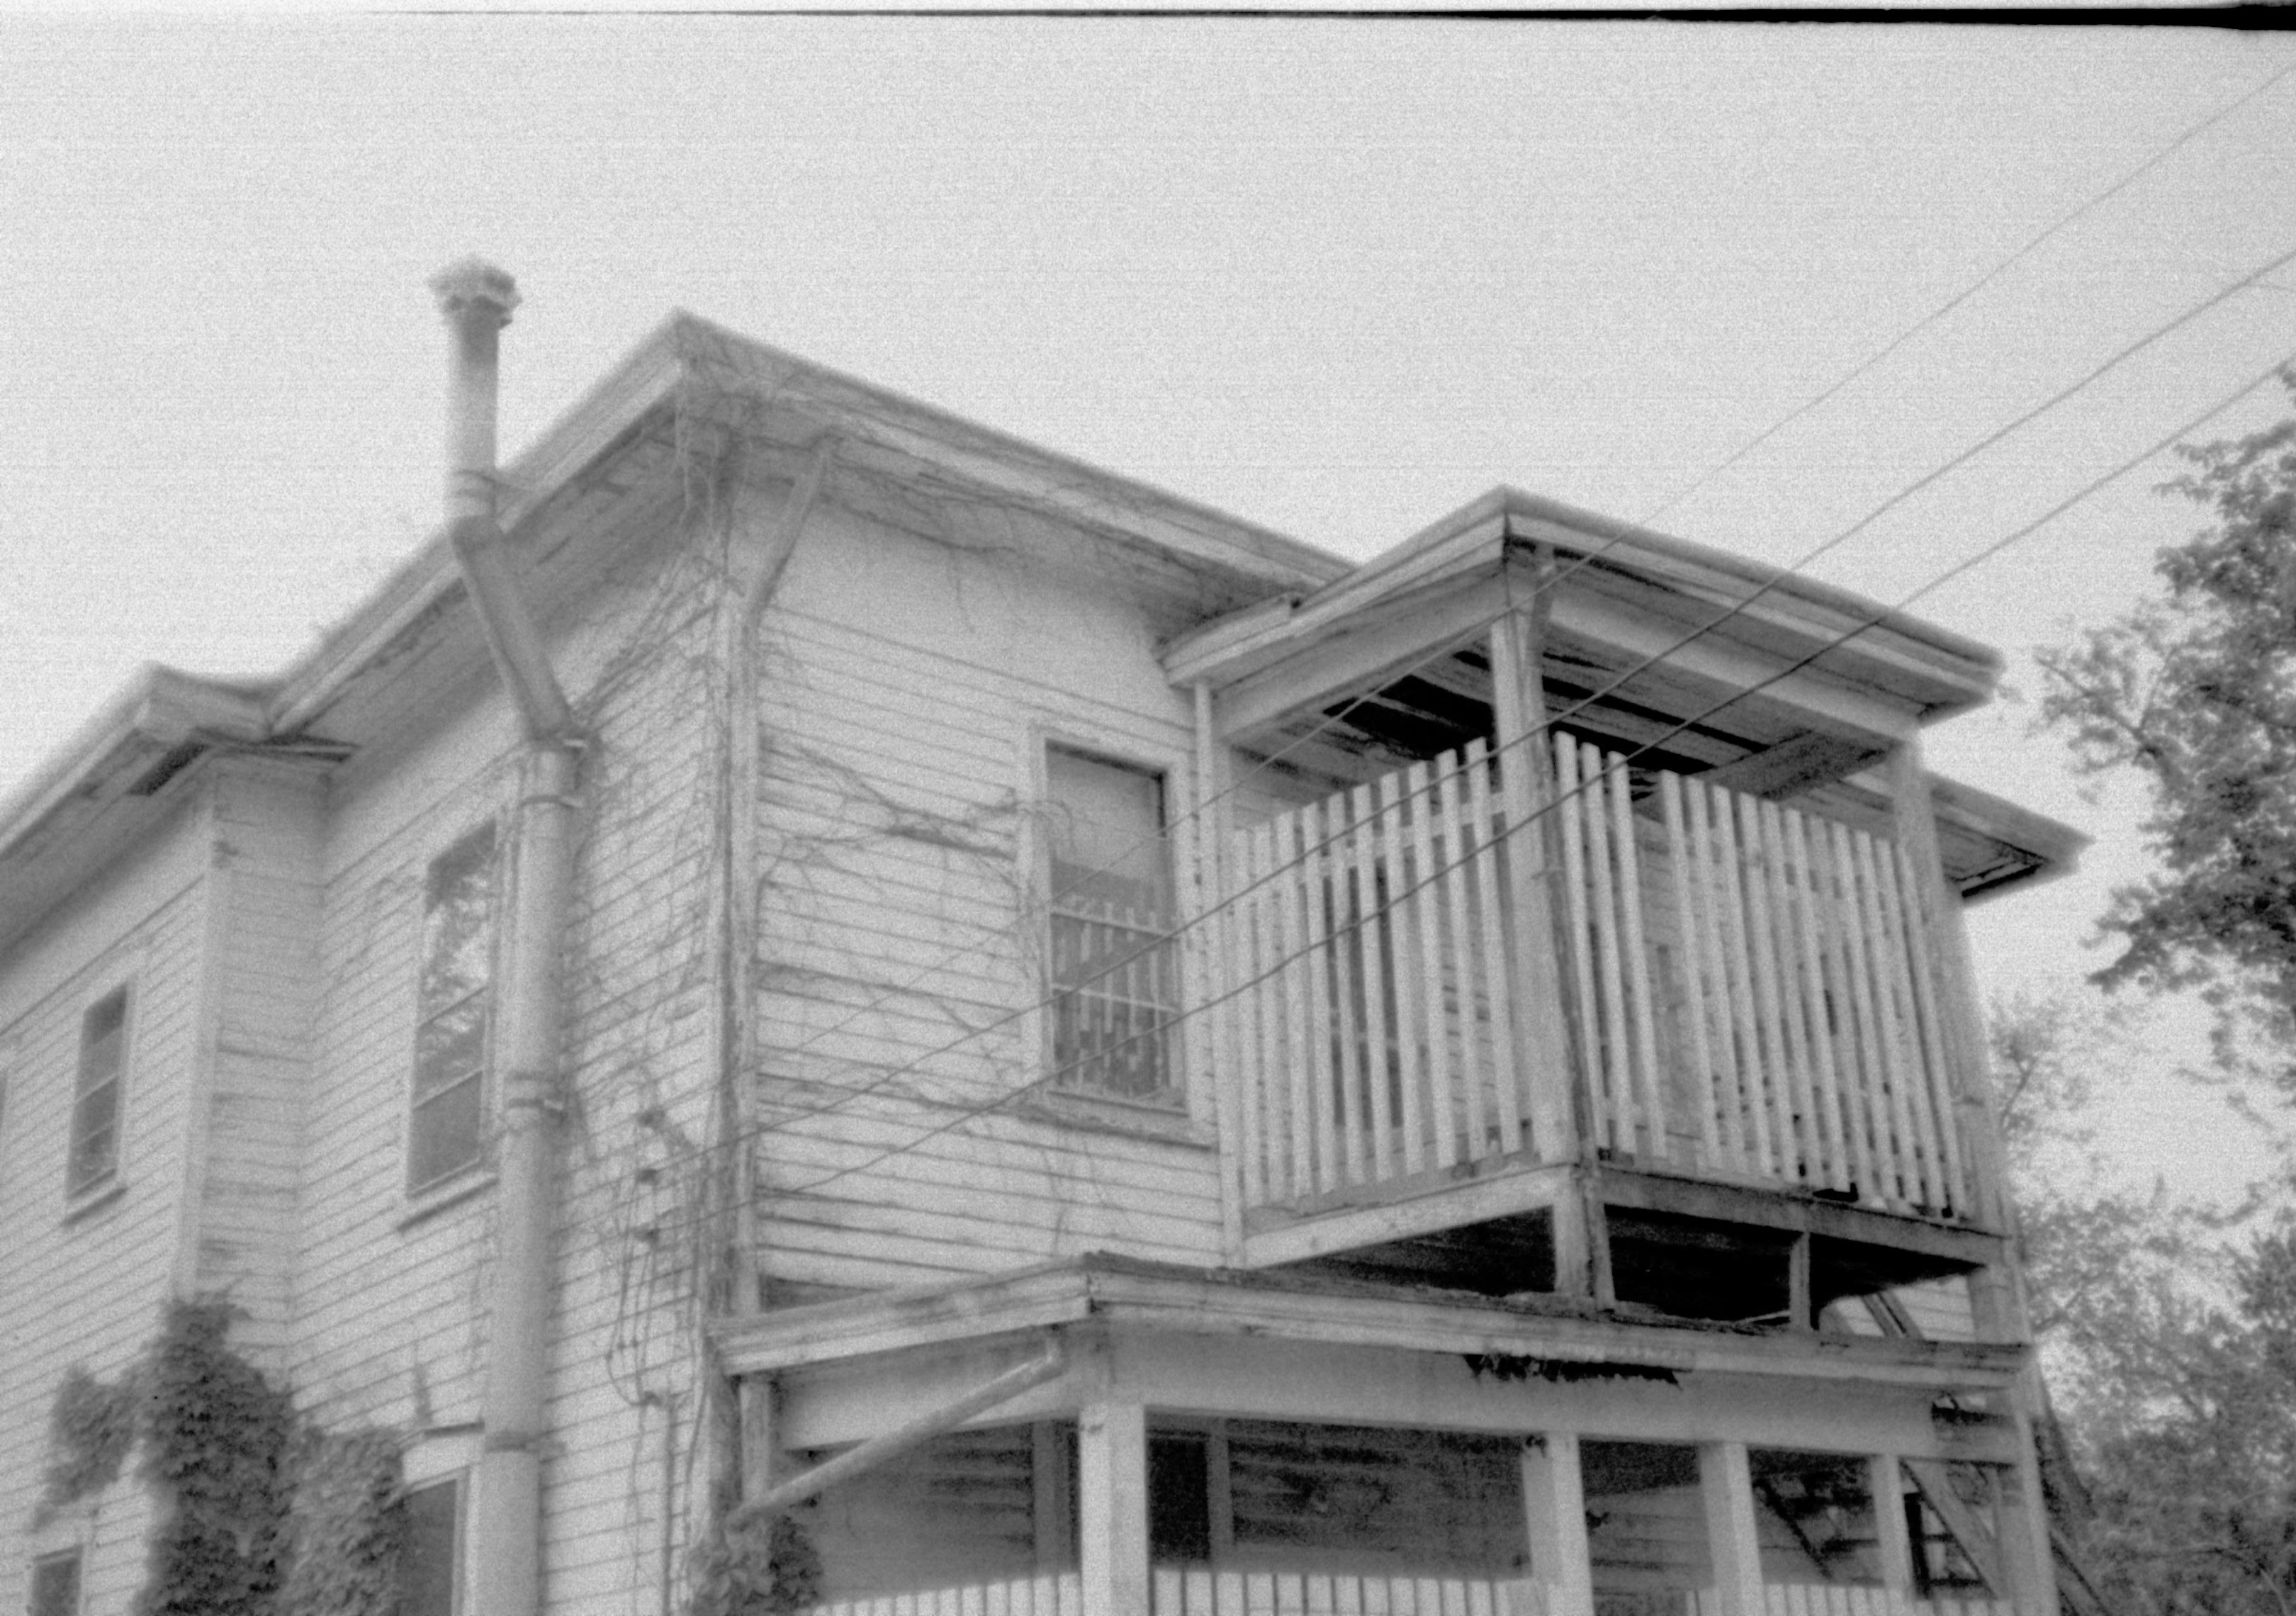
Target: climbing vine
756, 1569
90, 1430
217, 1444
345, 1526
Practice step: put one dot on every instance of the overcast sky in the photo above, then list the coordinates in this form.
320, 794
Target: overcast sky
1337, 278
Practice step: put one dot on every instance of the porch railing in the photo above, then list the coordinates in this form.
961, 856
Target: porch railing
1175, 1592
1749, 991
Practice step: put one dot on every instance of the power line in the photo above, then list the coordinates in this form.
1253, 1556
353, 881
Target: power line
1622, 760
1334, 718
2063, 221
1777, 578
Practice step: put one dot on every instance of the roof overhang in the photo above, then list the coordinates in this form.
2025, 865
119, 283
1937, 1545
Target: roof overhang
108, 786
689, 399
1193, 1343
1712, 628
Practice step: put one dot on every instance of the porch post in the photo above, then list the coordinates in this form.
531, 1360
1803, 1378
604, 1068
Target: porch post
1555, 1519
1112, 1508
1726, 1484
1886, 1483
1543, 1074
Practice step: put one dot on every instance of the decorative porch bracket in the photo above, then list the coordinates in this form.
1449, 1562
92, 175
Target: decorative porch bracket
912, 1433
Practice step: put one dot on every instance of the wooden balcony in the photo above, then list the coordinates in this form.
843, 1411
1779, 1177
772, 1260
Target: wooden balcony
1428, 985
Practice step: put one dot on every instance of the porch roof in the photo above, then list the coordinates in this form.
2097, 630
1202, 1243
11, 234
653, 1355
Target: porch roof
1324, 1310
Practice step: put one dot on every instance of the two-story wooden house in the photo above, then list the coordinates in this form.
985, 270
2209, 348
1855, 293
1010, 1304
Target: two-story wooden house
808, 960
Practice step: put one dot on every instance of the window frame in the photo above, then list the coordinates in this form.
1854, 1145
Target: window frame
449, 1180
1177, 1098
76, 1556
81, 1191
458, 1590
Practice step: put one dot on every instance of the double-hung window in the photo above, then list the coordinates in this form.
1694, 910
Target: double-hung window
431, 1551
1114, 972
55, 1583
447, 1129
93, 1160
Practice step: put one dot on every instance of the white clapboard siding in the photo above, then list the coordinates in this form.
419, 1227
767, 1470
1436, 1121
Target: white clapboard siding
1755, 988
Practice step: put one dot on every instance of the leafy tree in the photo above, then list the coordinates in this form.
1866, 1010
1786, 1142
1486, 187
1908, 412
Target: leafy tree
2169, 1345
2195, 691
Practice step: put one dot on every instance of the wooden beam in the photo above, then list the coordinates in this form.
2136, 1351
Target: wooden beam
1427, 1205
1554, 1520
1794, 765
1249, 1378
1777, 1208
1542, 1059
1971, 1529
1999, 1316
1112, 1508
1353, 654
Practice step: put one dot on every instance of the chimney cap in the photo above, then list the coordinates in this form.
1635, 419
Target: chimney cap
472, 283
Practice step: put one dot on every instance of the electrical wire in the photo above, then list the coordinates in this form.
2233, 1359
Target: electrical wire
852, 1092
1620, 761
1332, 719
1778, 578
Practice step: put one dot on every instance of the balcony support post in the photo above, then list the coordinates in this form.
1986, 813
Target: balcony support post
1997, 1292
1555, 1518
1223, 1075
1542, 1056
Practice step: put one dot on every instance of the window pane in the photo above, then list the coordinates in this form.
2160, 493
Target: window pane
94, 1153
1814, 1517
450, 1047
457, 941
426, 1560
56, 1585
445, 1135
1107, 833
1111, 910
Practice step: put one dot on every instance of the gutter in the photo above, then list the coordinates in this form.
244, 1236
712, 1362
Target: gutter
505, 1560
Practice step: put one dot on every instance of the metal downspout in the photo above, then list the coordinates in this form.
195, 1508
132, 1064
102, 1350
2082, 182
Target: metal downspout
505, 1558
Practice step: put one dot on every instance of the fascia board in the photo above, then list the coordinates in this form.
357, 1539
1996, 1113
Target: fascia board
158, 707
1117, 1294
1005, 465
1954, 673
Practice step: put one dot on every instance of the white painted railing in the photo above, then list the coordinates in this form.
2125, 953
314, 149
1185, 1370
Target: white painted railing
1177, 1592
1371, 1010
1827, 1599
1206, 1593
1752, 989
1060, 1594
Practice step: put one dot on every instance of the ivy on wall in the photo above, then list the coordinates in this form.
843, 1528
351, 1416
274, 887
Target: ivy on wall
216, 1437
261, 1517
90, 1430
758, 1568
345, 1526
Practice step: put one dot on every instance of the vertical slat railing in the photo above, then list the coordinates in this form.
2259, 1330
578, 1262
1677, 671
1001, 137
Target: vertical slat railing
1768, 971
